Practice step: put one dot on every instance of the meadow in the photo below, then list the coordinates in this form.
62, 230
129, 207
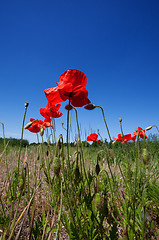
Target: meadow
87, 189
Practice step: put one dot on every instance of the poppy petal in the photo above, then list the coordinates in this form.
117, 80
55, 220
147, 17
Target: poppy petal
53, 95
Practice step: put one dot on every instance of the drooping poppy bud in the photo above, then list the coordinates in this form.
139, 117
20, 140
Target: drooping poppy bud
148, 128
90, 107
41, 131
28, 125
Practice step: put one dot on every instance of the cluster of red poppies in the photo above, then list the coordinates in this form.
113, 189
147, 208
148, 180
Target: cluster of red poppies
128, 137
72, 87
121, 138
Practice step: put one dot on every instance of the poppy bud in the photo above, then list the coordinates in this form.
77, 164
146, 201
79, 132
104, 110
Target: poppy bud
76, 157
90, 107
101, 182
21, 183
77, 173
98, 201
56, 166
120, 119
148, 128
18, 194
145, 156
75, 143
68, 107
41, 132
26, 104
97, 168
28, 125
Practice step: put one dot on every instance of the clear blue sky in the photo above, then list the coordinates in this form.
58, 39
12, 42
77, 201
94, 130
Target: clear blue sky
115, 43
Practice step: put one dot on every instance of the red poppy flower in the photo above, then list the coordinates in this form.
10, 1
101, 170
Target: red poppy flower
141, 133
51, 111
125, 138
93, 137
72, 86
38, 124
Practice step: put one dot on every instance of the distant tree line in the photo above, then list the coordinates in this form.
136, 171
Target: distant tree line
14, 142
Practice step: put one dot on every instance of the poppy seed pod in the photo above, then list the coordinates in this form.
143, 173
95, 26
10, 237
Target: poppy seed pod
120, 119
90, 107
26, 104
56, 166
28, 125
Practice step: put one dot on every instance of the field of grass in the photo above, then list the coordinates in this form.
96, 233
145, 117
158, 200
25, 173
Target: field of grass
80, 191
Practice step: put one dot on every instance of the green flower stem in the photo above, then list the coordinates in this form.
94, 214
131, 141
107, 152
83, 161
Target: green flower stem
54, 129
26, 106
53, 123
156, 128
79, 140
68, 147
105, 122
121, 130
37, 137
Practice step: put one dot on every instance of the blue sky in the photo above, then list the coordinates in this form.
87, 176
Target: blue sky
115, 43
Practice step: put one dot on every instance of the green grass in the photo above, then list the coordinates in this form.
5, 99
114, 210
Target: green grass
103, 191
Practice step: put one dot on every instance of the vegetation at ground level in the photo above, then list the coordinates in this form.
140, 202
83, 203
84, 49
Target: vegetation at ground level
99, 191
